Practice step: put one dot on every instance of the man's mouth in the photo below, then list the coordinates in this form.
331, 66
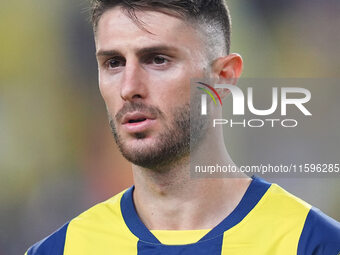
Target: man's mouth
137, 122
136, 117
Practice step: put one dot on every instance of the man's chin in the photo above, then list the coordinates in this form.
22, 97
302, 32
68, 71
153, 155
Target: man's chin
143, 156
139, 140
140, 136
138, 145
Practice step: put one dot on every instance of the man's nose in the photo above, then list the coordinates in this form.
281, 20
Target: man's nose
133, 82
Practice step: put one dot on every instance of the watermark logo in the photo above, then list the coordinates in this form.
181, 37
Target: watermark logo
297, 97
204, 97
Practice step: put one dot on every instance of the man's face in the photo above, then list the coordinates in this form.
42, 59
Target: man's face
144, 78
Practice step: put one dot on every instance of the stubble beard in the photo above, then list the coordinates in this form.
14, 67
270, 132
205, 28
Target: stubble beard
170, 146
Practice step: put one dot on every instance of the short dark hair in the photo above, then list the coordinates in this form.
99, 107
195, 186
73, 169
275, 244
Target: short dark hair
212, 13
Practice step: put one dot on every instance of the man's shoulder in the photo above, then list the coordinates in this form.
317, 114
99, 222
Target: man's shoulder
320, 234
109, 208
53, 244
306, 227
279, 204
96, 215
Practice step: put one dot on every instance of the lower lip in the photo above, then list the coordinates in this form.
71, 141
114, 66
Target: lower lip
138, 127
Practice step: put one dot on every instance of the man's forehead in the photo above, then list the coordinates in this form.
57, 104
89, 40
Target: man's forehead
115, 27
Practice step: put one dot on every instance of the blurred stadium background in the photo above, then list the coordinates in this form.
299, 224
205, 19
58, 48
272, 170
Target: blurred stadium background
57, 155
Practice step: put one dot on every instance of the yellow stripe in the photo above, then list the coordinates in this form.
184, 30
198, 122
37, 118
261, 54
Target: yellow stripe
274, 226
100, 230
179, 237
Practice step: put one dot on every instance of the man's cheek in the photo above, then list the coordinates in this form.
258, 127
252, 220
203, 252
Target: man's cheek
103, 91
110, 97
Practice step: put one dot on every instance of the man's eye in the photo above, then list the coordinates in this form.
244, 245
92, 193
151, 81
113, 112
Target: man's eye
114, 63
159, 60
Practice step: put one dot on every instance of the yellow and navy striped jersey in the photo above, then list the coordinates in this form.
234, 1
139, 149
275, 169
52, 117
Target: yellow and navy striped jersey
268, 220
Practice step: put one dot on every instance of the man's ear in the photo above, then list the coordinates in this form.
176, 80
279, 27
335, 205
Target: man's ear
227, 70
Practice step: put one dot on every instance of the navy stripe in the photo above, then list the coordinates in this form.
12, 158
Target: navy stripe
51, 245
252, 196
320, 235
132, 220
257, 188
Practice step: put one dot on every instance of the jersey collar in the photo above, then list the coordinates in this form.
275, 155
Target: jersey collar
252, 196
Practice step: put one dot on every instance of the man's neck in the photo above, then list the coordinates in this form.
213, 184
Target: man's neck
173, 200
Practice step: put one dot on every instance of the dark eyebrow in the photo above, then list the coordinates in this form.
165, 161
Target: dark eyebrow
155, 49
140, 52
107, 53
